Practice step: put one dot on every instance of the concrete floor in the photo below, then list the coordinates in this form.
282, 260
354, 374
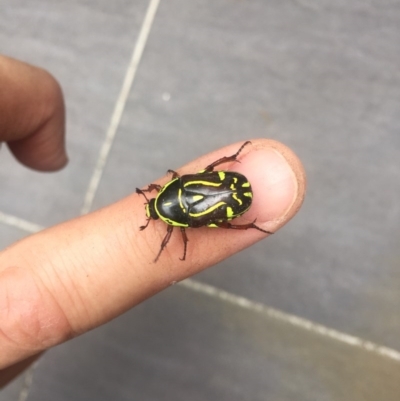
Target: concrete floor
322, 77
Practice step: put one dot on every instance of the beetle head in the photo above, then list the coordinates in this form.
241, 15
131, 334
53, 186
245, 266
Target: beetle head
151, 209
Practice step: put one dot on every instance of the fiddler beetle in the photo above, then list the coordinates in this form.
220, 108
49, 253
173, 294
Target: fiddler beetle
209, 198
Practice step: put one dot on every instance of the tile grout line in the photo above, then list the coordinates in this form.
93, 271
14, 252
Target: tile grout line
23, 395
22, 224
120, 105
294, 320
248, 304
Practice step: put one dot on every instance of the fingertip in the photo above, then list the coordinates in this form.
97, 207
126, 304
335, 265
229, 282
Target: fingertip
33, 117
278, 181
47, 157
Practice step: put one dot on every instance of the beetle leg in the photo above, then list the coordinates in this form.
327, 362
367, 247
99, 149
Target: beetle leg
164, 241
141, 228
185, 241
174, 174
141, 192
225, 159
151, 187
225, 224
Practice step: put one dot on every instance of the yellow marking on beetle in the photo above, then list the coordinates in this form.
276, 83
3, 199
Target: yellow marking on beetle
167, 203
173, 223
229, 212
166, 186
209, 210
211, 184
221, 175
180, 200
212, 225
233, 186
169, 221
246, 184
249, 194
234, 196
197, 197
147, 210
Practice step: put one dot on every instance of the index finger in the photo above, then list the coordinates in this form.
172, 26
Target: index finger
70, 278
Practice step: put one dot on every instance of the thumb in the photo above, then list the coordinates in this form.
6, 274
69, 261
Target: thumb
32, 118
78, 275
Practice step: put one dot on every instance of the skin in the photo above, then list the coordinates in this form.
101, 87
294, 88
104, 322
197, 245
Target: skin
71, 278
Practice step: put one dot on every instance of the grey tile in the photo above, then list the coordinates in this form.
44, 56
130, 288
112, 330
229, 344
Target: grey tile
183, 345
321, 77
87, 46
9, 235
13, 390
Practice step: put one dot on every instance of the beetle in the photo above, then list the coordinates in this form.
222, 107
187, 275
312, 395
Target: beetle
208, 198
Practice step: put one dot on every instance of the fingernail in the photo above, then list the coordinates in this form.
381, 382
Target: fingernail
274, 184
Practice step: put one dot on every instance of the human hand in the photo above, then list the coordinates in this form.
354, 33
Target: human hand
70, 278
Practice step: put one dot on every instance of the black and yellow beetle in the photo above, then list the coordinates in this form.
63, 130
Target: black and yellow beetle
209, 198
